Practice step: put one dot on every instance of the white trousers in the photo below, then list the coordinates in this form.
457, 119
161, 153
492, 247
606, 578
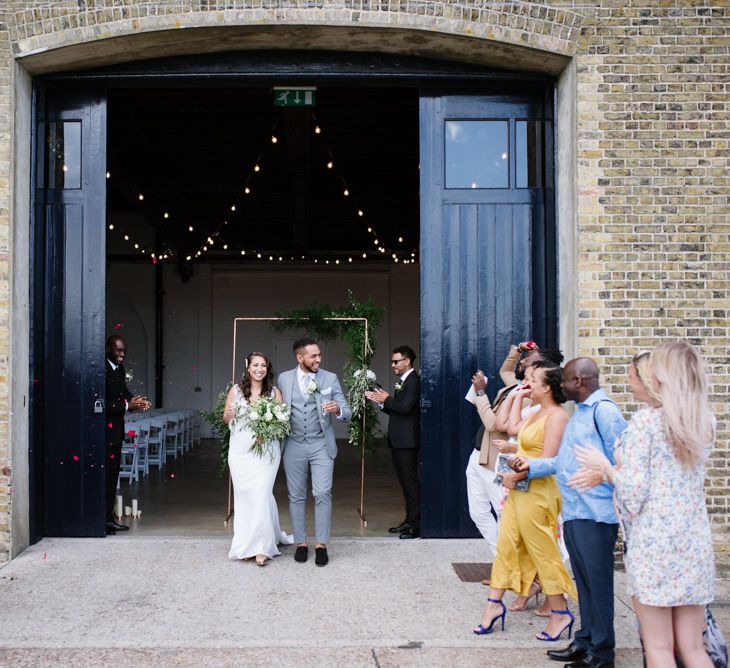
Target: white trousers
484, 501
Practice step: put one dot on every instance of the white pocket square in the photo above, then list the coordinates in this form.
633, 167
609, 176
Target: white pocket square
326, 391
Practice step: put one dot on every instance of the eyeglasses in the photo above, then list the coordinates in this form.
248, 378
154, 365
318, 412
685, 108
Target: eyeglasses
402, 359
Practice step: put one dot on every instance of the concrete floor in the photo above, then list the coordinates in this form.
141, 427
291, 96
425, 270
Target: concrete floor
188, 498
154, 601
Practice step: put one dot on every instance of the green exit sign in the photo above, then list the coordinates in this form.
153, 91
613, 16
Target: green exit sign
302, 96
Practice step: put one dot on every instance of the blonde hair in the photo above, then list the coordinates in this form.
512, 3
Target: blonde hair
680, 383
642, 363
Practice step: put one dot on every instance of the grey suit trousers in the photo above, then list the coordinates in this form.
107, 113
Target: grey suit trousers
299, 458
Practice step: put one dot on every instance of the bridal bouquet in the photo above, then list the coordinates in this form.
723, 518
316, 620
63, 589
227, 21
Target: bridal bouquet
268, 419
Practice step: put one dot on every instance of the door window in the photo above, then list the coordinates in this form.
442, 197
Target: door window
477, 154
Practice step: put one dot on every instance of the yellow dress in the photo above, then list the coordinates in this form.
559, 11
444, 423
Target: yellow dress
528, 529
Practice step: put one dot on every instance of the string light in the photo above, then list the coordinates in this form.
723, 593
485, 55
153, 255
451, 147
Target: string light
274, 139
317, 130
141, 197
247, 190
190, 228
256, 168
165, 215
330, 165
346, 192
111, 226
108, 175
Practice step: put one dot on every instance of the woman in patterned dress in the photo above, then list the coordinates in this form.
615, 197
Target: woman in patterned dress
660, 489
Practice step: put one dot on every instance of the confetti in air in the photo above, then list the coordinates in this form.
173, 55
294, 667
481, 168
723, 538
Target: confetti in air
76, 458
119, 325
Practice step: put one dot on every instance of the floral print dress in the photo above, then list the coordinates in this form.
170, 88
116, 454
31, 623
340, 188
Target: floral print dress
669, 559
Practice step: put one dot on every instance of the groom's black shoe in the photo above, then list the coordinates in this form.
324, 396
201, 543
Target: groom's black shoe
572, 652
301, 553
320, 556
403, 526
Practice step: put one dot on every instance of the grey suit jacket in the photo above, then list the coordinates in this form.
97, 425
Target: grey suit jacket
326, 380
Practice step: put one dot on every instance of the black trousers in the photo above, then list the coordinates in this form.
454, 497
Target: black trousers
113, 461
406, 465
590, 546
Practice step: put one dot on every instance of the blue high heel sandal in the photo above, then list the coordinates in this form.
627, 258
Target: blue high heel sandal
544, 635
480, 630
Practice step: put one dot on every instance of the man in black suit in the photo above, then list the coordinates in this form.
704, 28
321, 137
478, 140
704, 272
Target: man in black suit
119, 400
404, 435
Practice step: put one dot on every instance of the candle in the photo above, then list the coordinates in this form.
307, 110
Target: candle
127, 511
134, 508
118, 507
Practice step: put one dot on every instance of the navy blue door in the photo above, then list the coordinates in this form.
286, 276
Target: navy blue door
487, 270
67, 301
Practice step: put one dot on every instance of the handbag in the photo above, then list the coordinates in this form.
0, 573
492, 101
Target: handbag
715, 644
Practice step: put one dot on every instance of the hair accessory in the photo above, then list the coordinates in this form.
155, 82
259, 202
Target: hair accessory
245, 363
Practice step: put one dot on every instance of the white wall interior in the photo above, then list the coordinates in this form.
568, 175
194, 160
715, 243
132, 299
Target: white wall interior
198, 320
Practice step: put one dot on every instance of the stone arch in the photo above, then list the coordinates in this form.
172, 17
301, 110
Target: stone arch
517, 35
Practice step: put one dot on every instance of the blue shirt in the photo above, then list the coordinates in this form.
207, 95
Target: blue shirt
597, 503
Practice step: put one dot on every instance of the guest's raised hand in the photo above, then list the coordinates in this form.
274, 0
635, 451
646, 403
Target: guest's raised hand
479, 381
591, 458
524, 346
504, 446
584, 479
378, 396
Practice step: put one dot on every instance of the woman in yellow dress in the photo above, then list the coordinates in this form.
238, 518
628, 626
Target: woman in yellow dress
528, 533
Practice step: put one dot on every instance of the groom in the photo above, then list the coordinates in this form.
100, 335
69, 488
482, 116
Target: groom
314, 396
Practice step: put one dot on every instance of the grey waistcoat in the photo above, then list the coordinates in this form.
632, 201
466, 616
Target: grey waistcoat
305, 423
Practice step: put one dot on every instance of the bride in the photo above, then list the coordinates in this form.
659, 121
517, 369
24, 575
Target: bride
256, 529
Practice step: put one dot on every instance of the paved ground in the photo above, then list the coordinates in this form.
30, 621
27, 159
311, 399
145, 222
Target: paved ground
143, 601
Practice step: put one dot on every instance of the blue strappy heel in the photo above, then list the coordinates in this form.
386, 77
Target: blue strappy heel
544, 635
480, 630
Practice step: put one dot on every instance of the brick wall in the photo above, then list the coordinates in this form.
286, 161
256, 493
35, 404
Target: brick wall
652, 149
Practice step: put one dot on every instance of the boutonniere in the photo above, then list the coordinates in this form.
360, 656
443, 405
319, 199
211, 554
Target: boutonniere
398, 386
312, 386
129, 376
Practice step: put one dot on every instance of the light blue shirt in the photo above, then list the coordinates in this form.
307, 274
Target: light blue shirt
597, 503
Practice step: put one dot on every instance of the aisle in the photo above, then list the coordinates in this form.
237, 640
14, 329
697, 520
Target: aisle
187, 498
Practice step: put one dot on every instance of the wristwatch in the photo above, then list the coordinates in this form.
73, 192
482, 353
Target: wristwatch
480, 393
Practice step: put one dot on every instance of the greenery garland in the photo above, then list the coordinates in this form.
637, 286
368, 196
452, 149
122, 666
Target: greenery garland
214, 417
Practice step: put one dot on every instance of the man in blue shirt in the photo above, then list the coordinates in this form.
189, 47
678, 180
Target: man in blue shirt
590, 525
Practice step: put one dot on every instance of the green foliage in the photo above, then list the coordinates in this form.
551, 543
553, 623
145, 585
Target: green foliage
214, 418
359, 353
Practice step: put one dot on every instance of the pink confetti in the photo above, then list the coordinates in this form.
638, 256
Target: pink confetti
172, 475
111, 456
44, 556
76, 458
131, 433
110, 425
154, 260
119, 325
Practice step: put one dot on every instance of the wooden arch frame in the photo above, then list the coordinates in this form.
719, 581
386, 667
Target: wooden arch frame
366, 345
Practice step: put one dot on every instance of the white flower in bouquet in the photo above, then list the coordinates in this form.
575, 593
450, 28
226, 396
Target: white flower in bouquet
358, 373
268, 416
370, 375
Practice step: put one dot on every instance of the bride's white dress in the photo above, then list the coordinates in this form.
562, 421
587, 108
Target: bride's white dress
256, 528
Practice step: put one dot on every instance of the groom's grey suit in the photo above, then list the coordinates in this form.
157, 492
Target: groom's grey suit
311, 444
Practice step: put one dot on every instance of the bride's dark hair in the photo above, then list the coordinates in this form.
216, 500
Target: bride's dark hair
267, 384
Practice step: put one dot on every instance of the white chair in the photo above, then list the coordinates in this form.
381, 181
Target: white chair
171, 436
143, 457
156, 442
129, 464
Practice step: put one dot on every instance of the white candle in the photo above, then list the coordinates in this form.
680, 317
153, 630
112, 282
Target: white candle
119, 507
134, 508
127, 511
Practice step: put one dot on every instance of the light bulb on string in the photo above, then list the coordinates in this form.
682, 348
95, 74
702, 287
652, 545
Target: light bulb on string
108, 175
190, 228
64, 168
233, 207
317, 130
111, 226
243, 252
370, 229
271, 258
247, 190
165, 215
136, 245
140, 197
326, 261
143, 251
337, 262
346, 192
225, 246
330, 164
280, 258
258, 255
126, 237
400, 240
349, 259
205, 248
375, 242
274, 139
256, 168
360, 213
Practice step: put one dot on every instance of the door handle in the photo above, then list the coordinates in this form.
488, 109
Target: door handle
425, 403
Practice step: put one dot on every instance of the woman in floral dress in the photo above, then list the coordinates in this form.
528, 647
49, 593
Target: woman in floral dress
660, 488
